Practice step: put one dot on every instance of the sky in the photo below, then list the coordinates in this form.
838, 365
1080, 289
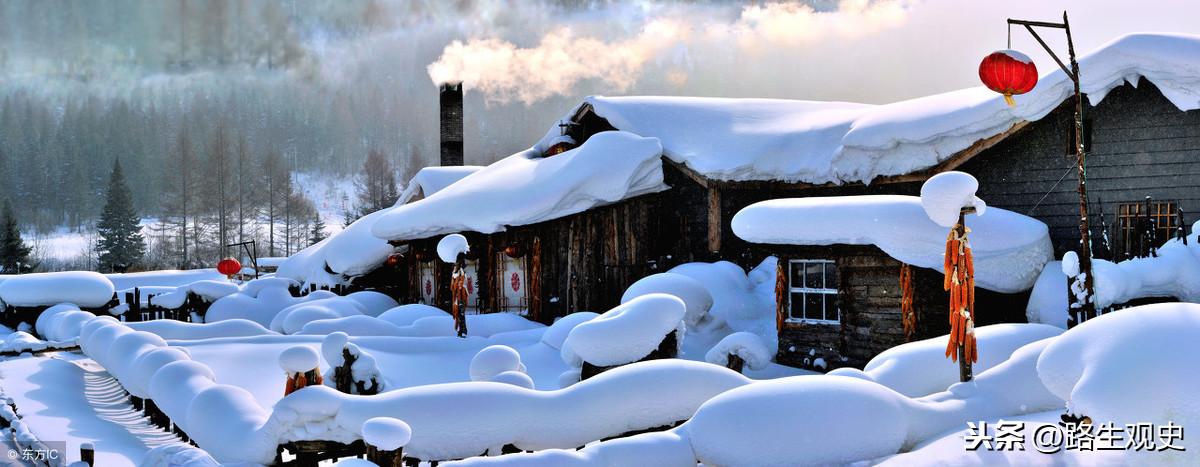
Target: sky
527, 63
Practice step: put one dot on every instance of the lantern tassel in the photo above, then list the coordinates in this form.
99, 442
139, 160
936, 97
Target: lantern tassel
1008, 99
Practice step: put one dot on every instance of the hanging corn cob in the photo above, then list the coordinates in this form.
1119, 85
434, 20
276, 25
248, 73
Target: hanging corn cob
960, 282
908, 316
458, 297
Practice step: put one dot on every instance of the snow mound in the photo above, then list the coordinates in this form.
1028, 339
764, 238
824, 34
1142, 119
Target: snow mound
178, 455
22, 341
920, 368
137, 380
387, 434
493, 360
298, 359
515, 378
944, 195
374, 303
331, 350
450, 246
179, 330
746, 345
693, 293
405, 315
356, 325
83, 288
261, 307
660, 449
291, 319
211, 290
526, 188
254, 286
841, 420
489, 415
626, 333
557, 332
1125, 368
430, 180
1009, 249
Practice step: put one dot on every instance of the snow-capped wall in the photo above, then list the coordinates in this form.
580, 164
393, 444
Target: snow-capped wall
526, 188
1010, 249
820, 142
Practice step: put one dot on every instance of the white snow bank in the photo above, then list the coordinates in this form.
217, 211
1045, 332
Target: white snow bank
405, 315
211, 290
21, 341
493, 360
1128, 367
179, 330
820, 142
741, 302
387, 434
1175, 272
626, 333
254, 286
516, 378
1009, 249
802, 420
450, 246
61, 323
557, 333
525, 189
693, 293
355, 325
83, 288
746, 345
458, 420
920, 368
298, 359
944, 195
261, 307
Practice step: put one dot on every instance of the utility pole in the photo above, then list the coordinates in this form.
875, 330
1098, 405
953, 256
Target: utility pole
1087, 307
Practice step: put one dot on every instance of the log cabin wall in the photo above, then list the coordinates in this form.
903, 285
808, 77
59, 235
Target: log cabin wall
868, 294
1140, 145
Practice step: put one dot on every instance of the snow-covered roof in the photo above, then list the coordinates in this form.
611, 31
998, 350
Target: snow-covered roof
837, 142
430, 180
526, 188
1010, 249
351, 252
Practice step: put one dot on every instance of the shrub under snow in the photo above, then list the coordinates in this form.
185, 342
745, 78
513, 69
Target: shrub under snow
626, 333
693, 293
746, 345
557, 332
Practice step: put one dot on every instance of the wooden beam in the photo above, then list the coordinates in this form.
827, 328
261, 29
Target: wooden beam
687, 171
714, 220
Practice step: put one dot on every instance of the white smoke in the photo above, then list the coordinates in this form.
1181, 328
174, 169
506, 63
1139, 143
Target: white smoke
505, 72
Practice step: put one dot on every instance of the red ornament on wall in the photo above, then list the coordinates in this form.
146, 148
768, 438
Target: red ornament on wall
516, 282
229, 266
428, 287
470, 286
1008, 72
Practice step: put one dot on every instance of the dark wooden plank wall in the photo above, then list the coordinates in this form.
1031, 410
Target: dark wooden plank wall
1142, 145
869, 300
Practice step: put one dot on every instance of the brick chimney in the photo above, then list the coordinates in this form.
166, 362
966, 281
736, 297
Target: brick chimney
452, 123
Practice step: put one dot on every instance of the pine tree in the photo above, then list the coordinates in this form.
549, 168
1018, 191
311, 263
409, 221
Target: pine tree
120, 243
317, 233
14, 253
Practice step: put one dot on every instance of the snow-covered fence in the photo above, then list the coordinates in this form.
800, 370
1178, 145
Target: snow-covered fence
26, 296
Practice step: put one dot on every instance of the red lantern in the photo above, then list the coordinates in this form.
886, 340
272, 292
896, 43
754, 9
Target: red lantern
513, 251
229, 266
393, 260
1008, 72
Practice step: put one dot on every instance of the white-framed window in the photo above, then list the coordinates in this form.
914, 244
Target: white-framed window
813, 291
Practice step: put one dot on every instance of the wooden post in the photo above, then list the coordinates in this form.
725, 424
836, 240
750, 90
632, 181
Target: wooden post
1088, 308
385, 458
87, 454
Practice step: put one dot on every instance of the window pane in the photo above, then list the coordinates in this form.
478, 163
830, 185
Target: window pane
831, 308
797, 272
831, 278
812, 275
796, 306
813, 308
